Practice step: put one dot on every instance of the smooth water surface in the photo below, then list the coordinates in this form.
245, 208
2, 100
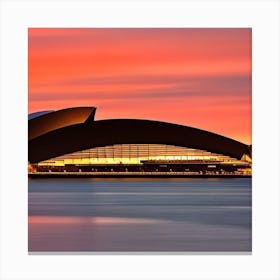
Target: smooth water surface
140, 215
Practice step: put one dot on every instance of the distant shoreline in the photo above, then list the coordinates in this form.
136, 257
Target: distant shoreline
131, 175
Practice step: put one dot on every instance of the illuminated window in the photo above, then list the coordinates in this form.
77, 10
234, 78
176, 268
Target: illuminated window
136, 153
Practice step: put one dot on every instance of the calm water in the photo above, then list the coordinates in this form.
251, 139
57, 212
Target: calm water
140, 214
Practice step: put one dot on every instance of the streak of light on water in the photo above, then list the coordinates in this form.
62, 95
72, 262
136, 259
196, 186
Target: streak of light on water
140, 215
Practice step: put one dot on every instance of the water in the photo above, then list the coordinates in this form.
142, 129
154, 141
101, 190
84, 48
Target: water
190, 215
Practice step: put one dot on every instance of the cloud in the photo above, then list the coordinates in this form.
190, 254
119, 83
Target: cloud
145, 87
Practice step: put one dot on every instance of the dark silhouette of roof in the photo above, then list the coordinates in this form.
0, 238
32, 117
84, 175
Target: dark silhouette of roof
57, 119
76, 136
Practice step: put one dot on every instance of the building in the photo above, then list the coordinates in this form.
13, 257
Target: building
70, 141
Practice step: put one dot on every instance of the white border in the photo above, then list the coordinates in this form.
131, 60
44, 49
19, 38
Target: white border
262, 16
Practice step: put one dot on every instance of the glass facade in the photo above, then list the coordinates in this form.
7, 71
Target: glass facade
138, 153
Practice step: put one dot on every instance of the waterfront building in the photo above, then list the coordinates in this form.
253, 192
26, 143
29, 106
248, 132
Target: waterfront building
71, 141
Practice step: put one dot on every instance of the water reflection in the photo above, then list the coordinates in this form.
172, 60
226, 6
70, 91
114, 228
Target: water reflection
145, 215
87, 220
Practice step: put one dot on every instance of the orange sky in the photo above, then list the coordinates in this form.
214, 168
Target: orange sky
191, 76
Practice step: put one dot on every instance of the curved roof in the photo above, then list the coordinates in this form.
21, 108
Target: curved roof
91, 134
57, 119
38, 114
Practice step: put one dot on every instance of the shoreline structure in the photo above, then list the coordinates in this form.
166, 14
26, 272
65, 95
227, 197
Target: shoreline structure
71, 143
35, 175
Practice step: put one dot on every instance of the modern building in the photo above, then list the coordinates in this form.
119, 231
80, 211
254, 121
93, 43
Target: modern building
70, 141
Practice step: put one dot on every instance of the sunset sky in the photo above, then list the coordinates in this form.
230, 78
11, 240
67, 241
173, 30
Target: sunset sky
195, 77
